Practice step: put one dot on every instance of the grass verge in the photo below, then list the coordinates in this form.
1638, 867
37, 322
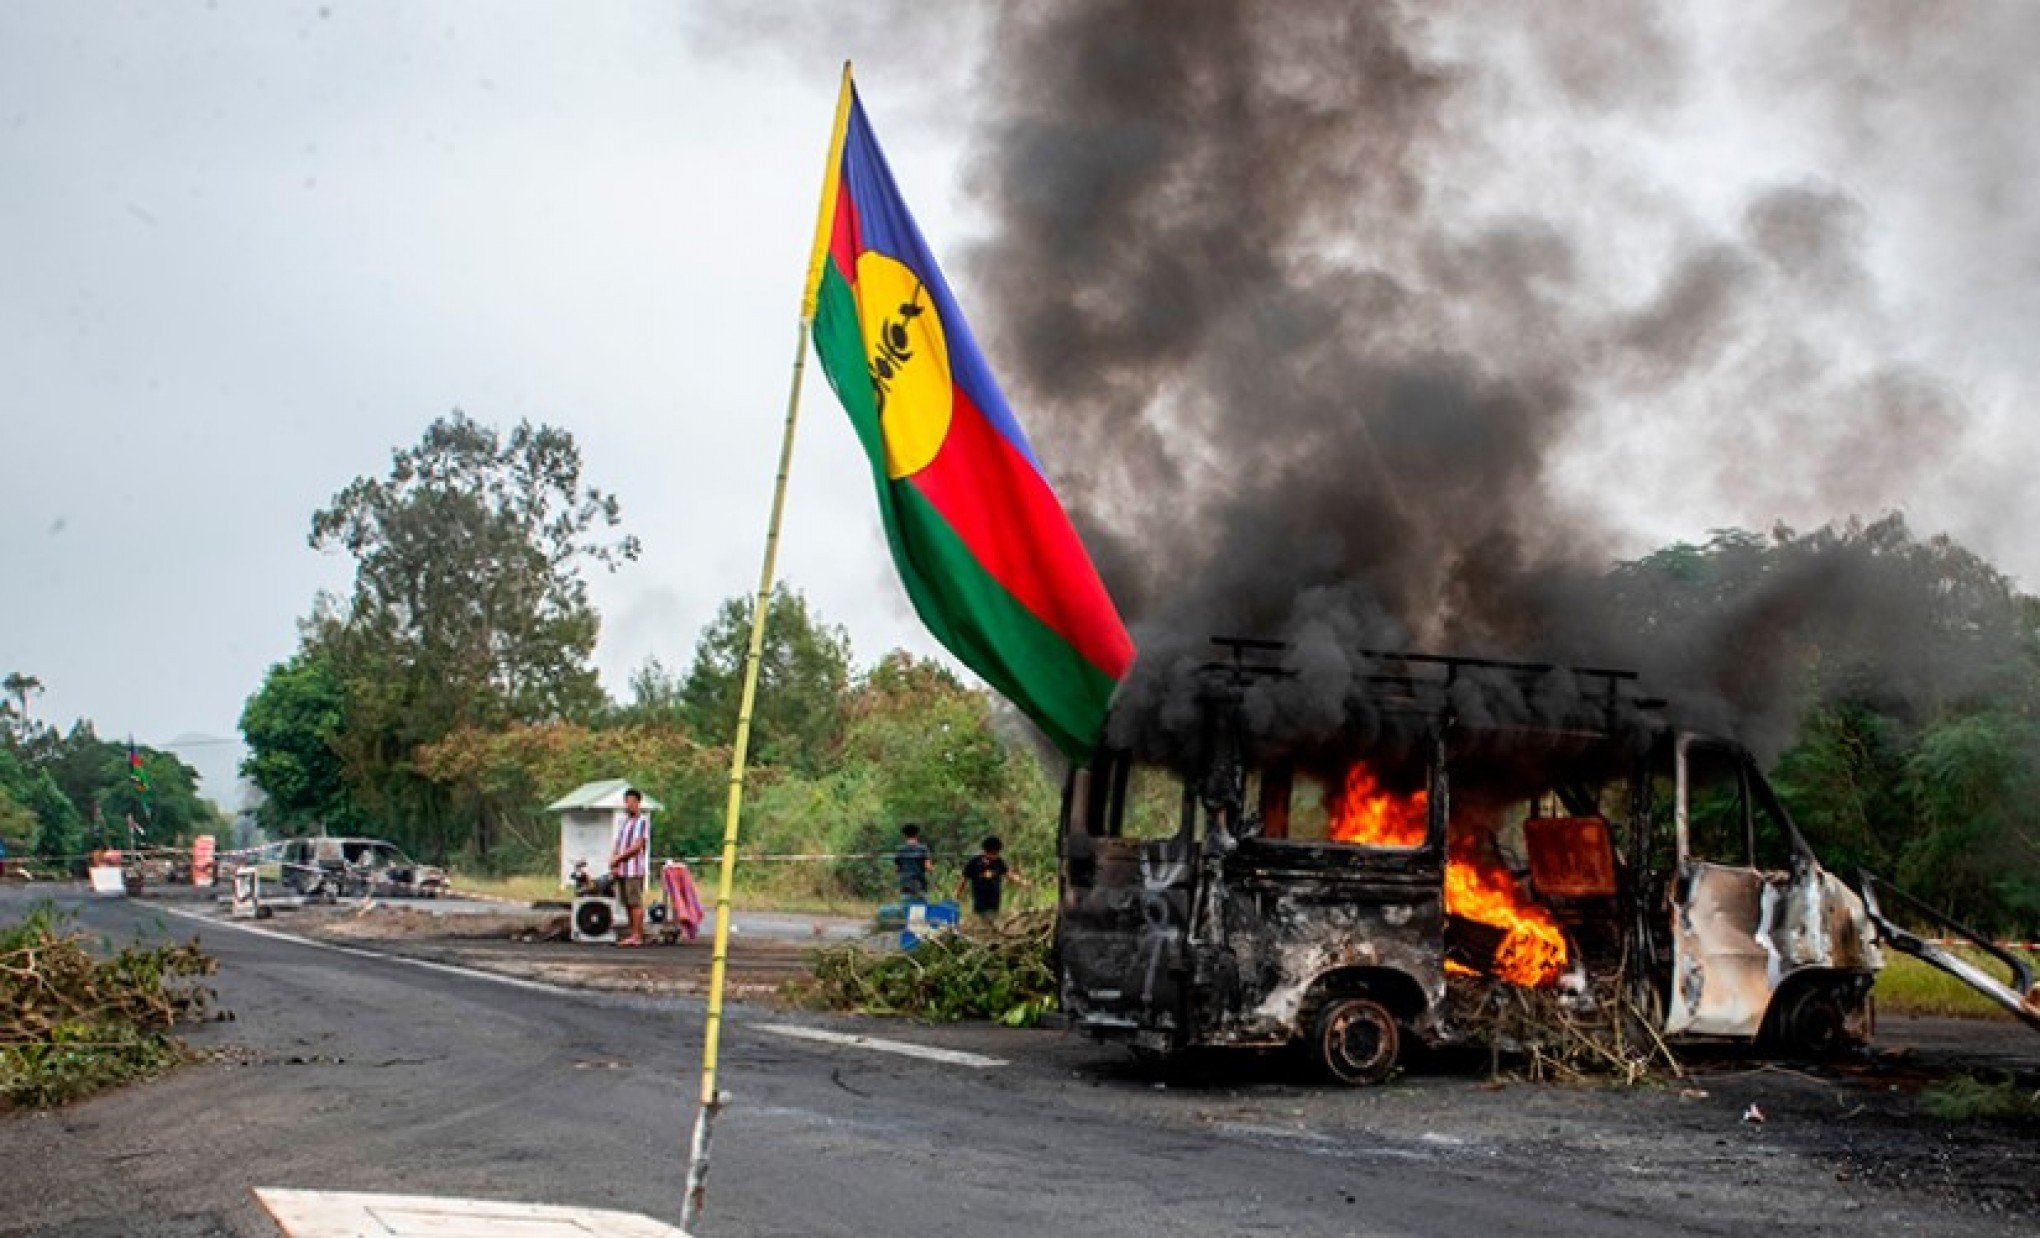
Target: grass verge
1907, 986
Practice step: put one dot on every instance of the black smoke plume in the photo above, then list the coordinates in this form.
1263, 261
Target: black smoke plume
1297, 386
1313, 354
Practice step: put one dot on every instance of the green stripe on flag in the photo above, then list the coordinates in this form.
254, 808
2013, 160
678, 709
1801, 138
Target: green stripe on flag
974, 616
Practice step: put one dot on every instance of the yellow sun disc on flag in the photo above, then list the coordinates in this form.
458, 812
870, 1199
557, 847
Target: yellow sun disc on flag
909, 362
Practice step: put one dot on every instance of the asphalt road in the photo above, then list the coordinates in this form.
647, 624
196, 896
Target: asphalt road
352, 1073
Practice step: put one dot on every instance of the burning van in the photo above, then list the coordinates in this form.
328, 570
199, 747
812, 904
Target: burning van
1356, 892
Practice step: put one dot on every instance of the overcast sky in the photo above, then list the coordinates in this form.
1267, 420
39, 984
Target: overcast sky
246, 249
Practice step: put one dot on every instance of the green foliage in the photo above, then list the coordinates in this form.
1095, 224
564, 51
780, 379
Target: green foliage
1001, 973
18, 825
918, 746
509, 775
58, 831
467, 577
803, 671
292, 725
655, 697
468, 612
72, 1024
1901, 708
1975, 783
1967, 1098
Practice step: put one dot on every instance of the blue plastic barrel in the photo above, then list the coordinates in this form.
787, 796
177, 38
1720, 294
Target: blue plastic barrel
926, 918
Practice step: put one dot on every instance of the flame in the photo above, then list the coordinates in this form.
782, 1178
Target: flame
1364, 814
1533, 951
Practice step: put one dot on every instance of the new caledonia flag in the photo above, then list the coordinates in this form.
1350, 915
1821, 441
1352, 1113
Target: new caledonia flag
985, 550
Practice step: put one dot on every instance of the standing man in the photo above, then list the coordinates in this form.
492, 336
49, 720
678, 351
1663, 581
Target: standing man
912, 860
629, 861
986, 874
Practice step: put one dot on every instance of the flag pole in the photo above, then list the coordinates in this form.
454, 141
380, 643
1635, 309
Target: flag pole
711, 1101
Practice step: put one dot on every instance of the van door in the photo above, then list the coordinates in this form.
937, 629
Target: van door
1129, 872
1721, 970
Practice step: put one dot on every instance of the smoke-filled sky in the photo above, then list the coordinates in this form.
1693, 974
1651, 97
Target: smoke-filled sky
1421, 294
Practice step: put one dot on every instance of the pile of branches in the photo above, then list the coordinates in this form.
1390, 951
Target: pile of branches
1604, 1033
72, 1023
999, 972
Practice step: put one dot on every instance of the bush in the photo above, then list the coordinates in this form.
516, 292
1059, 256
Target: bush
1000, 973
72, 1024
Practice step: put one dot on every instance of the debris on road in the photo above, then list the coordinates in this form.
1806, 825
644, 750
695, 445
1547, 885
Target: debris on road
1000, 973
72, 1024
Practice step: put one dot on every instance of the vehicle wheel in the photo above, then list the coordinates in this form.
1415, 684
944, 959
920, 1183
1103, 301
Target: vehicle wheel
1356, 1041
1813, 1023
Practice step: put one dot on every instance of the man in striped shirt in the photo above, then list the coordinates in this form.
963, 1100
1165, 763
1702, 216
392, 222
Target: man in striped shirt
629, 861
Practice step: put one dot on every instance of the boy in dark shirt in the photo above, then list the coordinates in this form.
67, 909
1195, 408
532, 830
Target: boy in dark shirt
912, 860
986, 874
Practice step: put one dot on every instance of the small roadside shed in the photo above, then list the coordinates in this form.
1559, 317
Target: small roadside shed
588, 823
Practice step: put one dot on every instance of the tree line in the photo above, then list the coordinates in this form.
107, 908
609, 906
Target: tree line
63, 793
450, 696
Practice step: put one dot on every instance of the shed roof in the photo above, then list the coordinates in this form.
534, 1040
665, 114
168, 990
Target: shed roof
603, 794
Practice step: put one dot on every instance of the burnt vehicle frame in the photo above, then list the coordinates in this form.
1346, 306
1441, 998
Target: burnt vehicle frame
337, 866
1230, 930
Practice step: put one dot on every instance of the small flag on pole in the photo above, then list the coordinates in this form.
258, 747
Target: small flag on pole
138, 779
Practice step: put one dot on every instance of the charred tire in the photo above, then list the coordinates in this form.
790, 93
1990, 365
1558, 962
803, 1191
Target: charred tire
1149, 1058
1812, 1023
1356, 1041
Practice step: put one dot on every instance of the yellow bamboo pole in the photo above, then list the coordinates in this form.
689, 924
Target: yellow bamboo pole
712, 1101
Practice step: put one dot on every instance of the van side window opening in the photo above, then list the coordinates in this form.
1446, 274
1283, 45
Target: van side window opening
1354, 807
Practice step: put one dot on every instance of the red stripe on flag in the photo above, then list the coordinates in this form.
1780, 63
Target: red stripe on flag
846, 238
1014, 525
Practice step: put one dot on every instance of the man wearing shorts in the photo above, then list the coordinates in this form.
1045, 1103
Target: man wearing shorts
629, 861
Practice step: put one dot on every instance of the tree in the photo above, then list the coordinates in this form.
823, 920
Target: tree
18, 825
18, 729
512, 773
934, 759
21, 686
468, 609
467, 564
57, 828
292, 725
803, 673
655, 697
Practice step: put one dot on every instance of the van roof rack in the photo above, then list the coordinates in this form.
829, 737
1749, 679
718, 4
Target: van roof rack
1446, 670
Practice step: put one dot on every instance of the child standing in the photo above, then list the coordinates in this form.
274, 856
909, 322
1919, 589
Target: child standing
986, 874
912, 861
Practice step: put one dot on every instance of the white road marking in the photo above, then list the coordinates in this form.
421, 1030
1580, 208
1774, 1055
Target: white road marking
452, 969
952, 1057
348, 1214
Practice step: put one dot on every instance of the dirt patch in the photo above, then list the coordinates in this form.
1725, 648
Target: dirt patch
529, 944
385, 923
